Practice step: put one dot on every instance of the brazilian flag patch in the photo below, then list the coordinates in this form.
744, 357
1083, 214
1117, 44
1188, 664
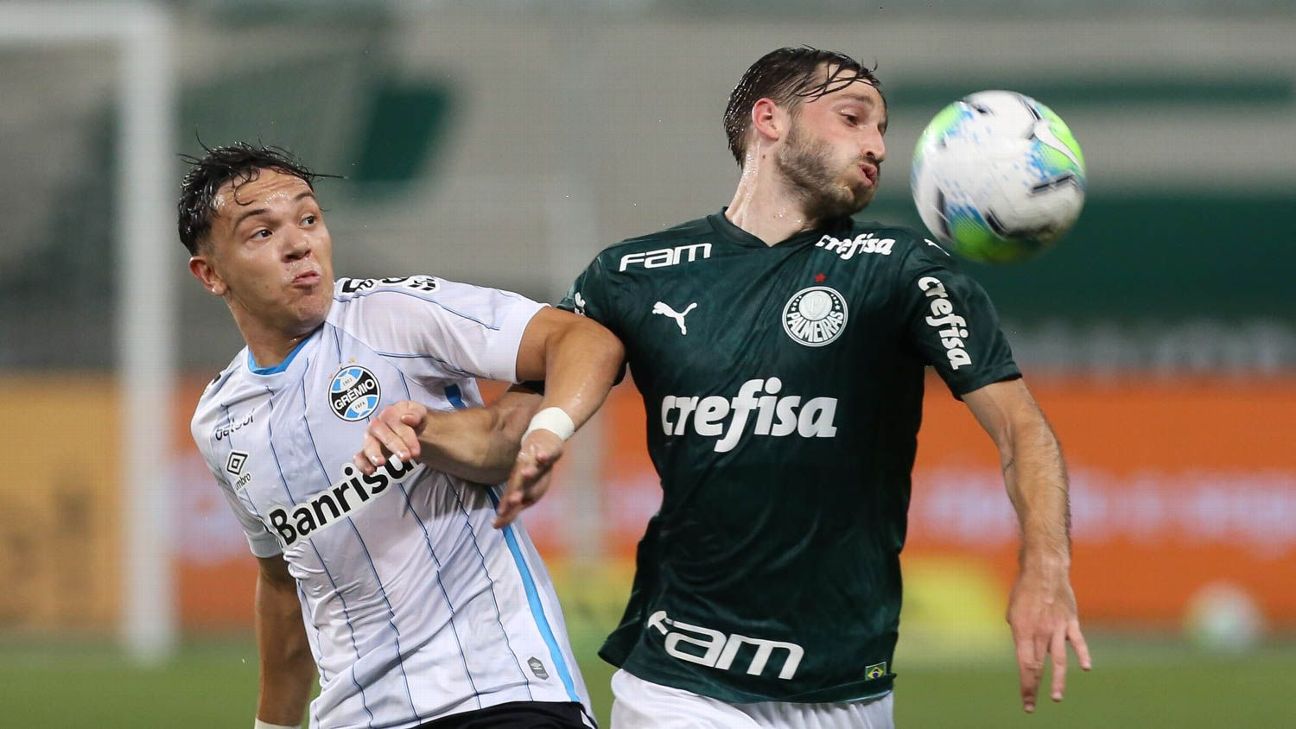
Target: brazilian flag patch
875, 671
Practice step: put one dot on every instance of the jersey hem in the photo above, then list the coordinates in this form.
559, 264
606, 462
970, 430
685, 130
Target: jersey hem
852, 692
1002, 374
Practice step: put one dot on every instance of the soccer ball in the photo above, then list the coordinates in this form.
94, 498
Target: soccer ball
998, 176
1224, 618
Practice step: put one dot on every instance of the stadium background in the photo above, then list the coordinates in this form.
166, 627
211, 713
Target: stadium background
504, 142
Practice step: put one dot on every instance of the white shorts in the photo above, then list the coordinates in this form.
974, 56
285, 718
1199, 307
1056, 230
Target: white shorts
640, 704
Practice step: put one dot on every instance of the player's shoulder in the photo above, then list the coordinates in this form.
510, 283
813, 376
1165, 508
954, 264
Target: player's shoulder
224, 381
219, 392
903, 238
692, 231
364, 304
901, 244
376, 304
346, 290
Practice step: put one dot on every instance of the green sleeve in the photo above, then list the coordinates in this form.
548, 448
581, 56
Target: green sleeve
950, 322
590, 296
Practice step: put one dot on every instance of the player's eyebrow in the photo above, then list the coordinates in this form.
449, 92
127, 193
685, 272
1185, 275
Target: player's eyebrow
261, 211
858, 98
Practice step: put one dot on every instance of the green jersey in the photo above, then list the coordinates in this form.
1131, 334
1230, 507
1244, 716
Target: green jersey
783, 386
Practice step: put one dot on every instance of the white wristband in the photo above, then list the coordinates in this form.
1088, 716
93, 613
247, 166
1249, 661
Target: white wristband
267, 725
554, 420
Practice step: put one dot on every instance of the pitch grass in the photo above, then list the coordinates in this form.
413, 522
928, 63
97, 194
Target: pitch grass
1144, 684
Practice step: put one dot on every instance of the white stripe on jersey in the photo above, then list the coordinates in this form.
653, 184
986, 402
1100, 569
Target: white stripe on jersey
415, 606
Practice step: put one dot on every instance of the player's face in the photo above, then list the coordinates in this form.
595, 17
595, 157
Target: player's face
270, 253
832, 156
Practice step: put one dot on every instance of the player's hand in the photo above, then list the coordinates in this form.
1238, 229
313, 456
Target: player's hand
529, 479
393, 432
1042, 613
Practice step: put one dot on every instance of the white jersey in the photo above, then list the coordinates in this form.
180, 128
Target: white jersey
415, 606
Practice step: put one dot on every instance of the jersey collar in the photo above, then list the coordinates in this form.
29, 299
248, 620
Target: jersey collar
287, 361
734, 234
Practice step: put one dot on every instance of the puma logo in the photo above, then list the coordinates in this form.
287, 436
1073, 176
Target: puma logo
678, 316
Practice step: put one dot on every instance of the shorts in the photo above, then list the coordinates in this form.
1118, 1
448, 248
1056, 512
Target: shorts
640, 704
518, 715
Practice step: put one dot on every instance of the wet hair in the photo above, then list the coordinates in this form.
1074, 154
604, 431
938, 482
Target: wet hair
788, 76
240, 162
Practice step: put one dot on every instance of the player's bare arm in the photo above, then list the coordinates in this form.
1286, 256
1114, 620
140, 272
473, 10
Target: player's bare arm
1042, 606
287, 666
475, 444
579, 361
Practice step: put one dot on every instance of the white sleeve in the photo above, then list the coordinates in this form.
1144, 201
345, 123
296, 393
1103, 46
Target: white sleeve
260, 540
467, 330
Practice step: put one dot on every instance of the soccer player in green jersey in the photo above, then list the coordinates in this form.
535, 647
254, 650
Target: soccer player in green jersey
780, 348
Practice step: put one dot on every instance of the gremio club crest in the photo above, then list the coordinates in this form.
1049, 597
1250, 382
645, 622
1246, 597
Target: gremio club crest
815, 316
354, 393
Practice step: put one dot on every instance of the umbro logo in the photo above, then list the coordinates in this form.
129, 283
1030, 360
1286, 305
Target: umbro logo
234, 465
678, 316
235, 462
538, 668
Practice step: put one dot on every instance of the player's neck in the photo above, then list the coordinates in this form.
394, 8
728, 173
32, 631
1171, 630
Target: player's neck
763, 206
272, 354
269, 344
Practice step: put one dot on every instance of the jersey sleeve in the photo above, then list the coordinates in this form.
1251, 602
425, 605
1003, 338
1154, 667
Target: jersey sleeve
260, 540
590, 296
950, 322
466, 330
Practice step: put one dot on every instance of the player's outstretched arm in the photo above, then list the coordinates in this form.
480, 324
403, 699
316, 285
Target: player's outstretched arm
1042, 606
476, 444
287, 667
579, 361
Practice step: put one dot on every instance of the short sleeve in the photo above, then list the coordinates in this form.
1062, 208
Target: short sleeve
950, 322
467, 330
260, 540
590, 296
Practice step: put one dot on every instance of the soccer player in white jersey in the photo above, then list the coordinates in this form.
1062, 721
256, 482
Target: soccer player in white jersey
387, 579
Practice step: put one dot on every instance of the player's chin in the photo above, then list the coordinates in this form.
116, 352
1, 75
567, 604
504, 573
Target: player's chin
861, 194
312, 311
853, 191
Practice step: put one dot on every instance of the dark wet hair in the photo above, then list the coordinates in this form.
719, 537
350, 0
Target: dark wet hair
788, 76
240, 162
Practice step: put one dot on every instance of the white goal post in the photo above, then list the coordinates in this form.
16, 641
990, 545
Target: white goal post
141, 33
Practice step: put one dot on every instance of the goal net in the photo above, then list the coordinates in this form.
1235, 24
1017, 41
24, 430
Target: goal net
86, 320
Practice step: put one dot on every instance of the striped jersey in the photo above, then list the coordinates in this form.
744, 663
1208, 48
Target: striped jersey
415, 607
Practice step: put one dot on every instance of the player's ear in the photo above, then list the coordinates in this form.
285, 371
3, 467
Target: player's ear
201, 268
768, 120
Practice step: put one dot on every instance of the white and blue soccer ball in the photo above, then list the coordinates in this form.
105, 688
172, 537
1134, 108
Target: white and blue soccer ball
1224, 618
998, 177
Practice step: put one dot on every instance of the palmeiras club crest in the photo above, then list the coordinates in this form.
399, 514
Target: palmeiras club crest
815, 316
